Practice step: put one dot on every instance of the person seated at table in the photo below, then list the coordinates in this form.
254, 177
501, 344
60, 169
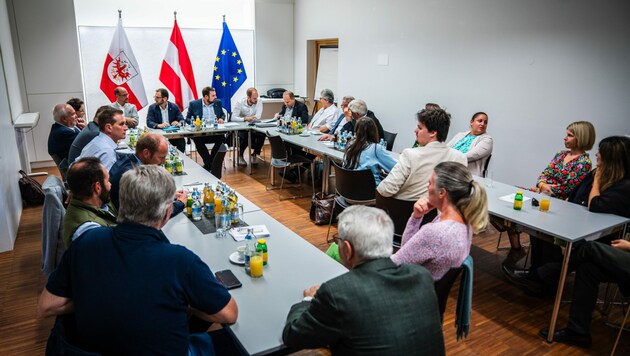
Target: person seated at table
365, 152
445, 242
207, 108
409, 178
596, 263
604, 190
79, 108
151, 148
344, 117
164, 114
126, 289
325, 118
249, 109
130, 112
431, 106
86, 135
293, 108
62, 132
475, 144
112, 128
90, 204
565, 172
375, 308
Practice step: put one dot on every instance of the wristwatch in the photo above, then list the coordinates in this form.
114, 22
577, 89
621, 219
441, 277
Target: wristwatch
307, 299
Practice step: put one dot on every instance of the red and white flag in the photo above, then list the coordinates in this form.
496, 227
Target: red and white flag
121, 70
176, 72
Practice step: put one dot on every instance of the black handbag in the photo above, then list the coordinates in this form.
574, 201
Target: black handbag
31, 190
321, 208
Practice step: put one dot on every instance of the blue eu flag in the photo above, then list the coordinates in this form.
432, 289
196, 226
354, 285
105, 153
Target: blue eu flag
229, 72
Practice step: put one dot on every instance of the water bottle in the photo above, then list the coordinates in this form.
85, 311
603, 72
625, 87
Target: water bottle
382, 143
249, 243
518, 200
196, 210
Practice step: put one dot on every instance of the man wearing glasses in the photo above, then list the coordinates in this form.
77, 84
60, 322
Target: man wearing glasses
130, 113
164, 114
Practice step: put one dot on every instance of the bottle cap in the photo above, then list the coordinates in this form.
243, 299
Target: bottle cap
262, 241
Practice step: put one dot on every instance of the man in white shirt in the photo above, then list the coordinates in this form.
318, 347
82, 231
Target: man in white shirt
409, 179
326, 117
130, 112
112, 127
249, 109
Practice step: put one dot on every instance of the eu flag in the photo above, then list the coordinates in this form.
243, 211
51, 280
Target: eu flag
229, 72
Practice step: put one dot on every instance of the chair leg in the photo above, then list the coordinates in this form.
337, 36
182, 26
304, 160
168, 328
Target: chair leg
313, 176
623, 323
332, 213
499, 242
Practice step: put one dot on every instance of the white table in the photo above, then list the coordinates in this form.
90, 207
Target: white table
565, 221
263, 303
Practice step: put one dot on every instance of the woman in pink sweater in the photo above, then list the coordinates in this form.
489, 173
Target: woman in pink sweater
445, 242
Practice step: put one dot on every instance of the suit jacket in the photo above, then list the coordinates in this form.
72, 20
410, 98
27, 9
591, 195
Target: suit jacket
477, 155
377, 308
299, 110
349, 126
154, 115
195, 108
60, 139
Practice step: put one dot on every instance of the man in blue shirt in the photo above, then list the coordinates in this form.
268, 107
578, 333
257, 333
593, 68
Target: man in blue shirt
164, 114
130, 290
207, 108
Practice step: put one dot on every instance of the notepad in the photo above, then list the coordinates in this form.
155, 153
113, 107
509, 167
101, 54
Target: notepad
239, 233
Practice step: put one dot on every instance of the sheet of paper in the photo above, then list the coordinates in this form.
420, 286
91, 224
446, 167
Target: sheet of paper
510, 198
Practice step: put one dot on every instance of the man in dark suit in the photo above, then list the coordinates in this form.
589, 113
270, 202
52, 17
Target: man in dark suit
208, 107
359, 109
62, 132
164, 114
377, 307
293, 108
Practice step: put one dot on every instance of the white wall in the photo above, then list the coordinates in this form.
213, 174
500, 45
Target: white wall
10, 108
533, 66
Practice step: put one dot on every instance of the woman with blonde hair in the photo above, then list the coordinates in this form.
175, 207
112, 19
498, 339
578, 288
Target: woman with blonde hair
445, 242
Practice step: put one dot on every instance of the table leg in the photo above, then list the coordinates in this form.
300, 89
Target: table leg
563, 277
325, 173
235, 145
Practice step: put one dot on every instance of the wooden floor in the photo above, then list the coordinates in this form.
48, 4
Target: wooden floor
505, 321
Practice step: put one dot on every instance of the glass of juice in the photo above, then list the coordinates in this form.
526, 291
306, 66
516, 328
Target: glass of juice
545, 200
256, 264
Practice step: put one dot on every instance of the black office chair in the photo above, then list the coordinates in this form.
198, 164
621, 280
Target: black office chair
217, 163
485, 166
281, 159
352, 187
389, 138
400, 211
443, 288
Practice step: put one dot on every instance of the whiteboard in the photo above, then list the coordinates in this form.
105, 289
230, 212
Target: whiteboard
327, 72
149, 46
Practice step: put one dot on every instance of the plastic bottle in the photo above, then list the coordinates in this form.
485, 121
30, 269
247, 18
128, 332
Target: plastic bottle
518, 200
299, 125
249, 243
189, 204
382, 143
195, 194
196, 210
261, 246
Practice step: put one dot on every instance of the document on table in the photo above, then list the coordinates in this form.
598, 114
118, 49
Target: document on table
239, 233
510, 198
230, 124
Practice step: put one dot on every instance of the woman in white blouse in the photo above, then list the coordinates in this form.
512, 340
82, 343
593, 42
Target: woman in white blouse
475, 144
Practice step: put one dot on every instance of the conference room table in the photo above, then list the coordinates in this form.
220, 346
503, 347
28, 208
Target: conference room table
263, 303
310, 141
564, 224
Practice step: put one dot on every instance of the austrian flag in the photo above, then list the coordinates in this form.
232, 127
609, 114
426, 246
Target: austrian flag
121, 70
176, 72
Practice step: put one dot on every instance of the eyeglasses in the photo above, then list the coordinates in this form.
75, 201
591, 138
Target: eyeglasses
337, 239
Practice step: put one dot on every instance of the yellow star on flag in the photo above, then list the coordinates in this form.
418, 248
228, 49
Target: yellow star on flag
239, 71
223, 83
223, 52
217, 77
238, 62
218, 59
234, 54
215, 68
235, 79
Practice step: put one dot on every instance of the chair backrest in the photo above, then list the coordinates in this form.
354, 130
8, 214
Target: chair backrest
398, 210
485, 166
217, 163
52, 224
355, 186
389, 138
443, 287
278, 150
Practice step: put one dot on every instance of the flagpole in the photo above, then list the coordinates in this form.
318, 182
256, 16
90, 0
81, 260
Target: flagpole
120, 14
175, 15
223, 18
